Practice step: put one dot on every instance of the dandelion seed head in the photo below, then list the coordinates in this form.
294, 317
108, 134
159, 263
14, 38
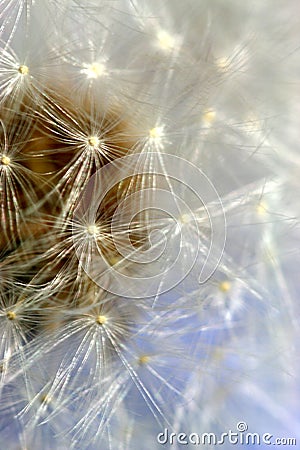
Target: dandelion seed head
156, 132
5, 160
23, 70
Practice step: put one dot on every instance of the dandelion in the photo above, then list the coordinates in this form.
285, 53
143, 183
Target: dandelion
149, 222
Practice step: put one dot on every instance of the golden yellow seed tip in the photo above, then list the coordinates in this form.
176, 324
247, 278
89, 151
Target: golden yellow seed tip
113, 260
92, 230
185, 218
261, 208
209, 116
101, 320
225, 286
165, 40
11, 315
23, 70
94, 70
45, 398
94, 141
156, 132
144, 359
5, 160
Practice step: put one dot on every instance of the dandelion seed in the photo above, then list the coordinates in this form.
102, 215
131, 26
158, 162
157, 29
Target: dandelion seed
15, 80
166, 41
185, 218
23, 70
45, 399
209, 117
101, 320
94, 70
156, 139
5, 160
261, 208
144, 359
214, 83
11, 315
94, 141
93, 230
